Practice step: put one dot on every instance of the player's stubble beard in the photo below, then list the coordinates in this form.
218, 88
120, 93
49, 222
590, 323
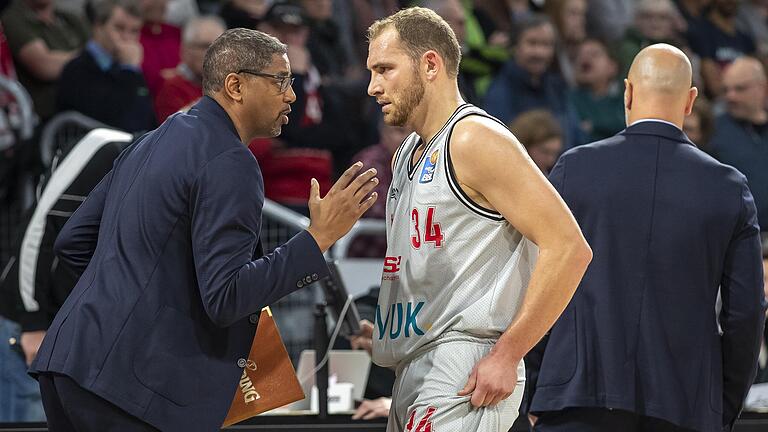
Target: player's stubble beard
411, 96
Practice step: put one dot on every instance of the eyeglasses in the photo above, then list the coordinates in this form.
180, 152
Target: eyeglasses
284, 81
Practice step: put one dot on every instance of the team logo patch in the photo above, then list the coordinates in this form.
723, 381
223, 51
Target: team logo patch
428, 170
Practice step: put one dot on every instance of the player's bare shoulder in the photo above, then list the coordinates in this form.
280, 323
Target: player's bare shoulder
478, 143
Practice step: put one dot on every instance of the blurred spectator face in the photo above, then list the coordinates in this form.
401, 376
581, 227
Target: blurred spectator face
320, 10
453, 13
593, 66
153, 11
726, 8
655, 19
692, 128
193, 50
395, 82
254, 8
545, 153
744, 90
391, 136
535, 49
574, 20
121, 27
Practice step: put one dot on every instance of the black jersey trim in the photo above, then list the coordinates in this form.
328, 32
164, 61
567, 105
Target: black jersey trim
412, 168
454, 185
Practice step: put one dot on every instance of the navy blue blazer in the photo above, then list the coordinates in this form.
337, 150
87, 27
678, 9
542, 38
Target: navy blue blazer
170, 292
668, 226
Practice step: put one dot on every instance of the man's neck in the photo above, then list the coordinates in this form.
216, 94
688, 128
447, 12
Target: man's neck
435, 112
600, 89
758, 118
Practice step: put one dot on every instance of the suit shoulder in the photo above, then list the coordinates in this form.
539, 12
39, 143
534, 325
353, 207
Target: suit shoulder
587, 151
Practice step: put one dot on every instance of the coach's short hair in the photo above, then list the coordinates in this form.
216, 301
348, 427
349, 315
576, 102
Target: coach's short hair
235, 50
421, 30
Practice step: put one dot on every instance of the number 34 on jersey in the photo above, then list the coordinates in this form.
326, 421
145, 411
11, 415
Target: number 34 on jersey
425, 228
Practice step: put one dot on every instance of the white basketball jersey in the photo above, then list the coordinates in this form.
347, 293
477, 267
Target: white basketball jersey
451, 265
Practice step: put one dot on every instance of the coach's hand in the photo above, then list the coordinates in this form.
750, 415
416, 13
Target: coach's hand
492, 380
333, 215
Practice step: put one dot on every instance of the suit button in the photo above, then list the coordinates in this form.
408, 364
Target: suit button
308, 279
314, 276
299, 284
241, 363
253, 318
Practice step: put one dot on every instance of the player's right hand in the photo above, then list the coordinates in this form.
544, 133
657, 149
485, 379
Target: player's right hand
332, 216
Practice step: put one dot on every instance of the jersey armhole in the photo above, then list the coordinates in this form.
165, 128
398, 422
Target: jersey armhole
453, 182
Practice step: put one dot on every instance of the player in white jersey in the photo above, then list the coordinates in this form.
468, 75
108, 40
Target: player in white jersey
465, 291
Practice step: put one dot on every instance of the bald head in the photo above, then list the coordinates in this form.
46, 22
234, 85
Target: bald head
744, 89
661, 70
745, 68
659, 85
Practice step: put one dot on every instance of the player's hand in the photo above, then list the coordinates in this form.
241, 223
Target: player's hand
364, 339
333, 215
371, 409
30, 343
492, 380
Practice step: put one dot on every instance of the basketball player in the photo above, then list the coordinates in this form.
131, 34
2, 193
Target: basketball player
482, 254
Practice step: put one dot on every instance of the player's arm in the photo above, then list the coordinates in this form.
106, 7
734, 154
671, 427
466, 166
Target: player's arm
493, 166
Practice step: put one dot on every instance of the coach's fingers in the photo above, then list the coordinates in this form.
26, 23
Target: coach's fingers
314, 191
347, 177
368, 203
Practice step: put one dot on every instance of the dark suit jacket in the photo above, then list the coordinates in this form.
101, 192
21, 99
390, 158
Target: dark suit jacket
169, 296
668, 226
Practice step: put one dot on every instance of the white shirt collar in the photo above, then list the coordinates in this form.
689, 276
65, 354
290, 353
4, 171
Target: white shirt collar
655, 120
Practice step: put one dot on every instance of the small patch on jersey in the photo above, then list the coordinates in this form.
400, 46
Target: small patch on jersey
428, 170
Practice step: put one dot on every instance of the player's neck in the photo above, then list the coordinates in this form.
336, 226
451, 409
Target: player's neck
434, 111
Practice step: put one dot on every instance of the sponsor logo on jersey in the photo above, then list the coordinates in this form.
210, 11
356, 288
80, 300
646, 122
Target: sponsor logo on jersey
394, 193
401, 320
428, 170
391, 268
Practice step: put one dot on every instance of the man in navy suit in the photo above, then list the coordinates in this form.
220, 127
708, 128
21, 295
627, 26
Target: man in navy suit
160, 323
640, 347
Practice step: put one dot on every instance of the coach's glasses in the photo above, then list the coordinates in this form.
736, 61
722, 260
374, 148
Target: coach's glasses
284, 81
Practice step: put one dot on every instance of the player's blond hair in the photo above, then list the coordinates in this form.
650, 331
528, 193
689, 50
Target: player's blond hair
420, 30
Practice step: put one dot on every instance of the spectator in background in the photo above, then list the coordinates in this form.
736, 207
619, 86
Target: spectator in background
656, 21
541, 136
719, 42
244, 13
330, 55
179, 12
42, 39
598, 98
20, 399
183, 87
527, 81
692, 11
570, 19
105, 82
741, 133
454, 14
609, 19
161, 42
699, 125
752, 19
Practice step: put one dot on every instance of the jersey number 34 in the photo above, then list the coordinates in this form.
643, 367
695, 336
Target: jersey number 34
431, 229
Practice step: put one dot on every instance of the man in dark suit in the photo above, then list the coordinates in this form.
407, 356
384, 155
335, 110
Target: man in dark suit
157, 330
640, 347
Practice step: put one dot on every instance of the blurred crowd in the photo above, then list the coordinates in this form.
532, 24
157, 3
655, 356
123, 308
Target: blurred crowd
552, 70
